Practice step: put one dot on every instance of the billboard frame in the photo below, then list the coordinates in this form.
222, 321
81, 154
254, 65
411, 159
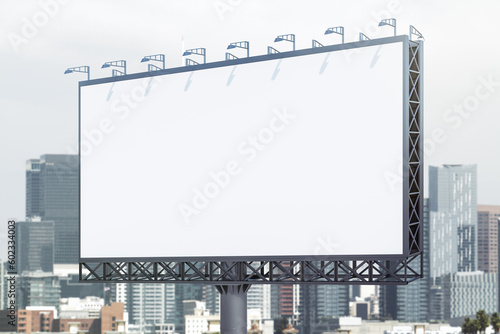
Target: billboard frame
330, 269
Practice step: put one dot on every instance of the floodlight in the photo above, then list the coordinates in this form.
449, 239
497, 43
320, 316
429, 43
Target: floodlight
388, 22
82, 69
116, 63
414, 31
158, 57
336, 30
197, 51
288, 38
242, 45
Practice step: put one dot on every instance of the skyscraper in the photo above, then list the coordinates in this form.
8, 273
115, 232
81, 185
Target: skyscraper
322, 301
52, 195
148, 304
184, 292
285, 302
453, 233
453, 219
35, 242
259, 296
487, 239
410, 302
211, 297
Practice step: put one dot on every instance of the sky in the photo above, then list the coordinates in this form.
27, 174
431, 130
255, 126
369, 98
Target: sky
40, 39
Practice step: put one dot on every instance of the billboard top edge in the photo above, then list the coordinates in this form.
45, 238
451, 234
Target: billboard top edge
251, 59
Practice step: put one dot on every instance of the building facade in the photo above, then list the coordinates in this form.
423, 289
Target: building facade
52, 195
38, 289
487, 239
410, 302
319, 302
453, 219
465, 293
259, 297
35, 243
148, 304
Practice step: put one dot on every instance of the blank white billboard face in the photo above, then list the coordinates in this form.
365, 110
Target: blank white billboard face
284, 157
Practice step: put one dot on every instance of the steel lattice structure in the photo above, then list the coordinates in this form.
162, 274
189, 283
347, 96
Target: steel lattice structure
321, 270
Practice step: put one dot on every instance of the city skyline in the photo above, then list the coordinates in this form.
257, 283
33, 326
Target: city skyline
41, 117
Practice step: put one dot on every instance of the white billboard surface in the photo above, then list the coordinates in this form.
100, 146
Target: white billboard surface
283, 157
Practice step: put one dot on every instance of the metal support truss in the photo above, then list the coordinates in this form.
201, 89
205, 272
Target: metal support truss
414, 31
190, 62
415, 156
271, 50
363, 37
152, 68
387, 271
230, 56
336, 30
116, 73
316, 44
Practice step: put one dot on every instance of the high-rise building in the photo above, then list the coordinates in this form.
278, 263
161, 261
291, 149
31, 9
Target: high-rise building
72, 287
38, 289
453, 219
465, 293
410, 302
259, 297
322, 301
184, 292
211, 297
52, 195
149, 304
285, 302
487, 238
35, 243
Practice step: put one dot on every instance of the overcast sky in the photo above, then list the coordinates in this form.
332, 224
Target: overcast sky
40, 39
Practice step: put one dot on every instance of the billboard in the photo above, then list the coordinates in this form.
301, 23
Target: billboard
282, 156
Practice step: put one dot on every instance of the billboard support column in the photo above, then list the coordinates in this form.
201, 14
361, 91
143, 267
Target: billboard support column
233, 302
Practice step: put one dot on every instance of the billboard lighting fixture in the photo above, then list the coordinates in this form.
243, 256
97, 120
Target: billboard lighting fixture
388, 22
336, 30
316, 44
414, 31
157, 57
82, 69
243, 45
116, 63
363, 37
271, 50
230, 56
288, 38
197, 51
